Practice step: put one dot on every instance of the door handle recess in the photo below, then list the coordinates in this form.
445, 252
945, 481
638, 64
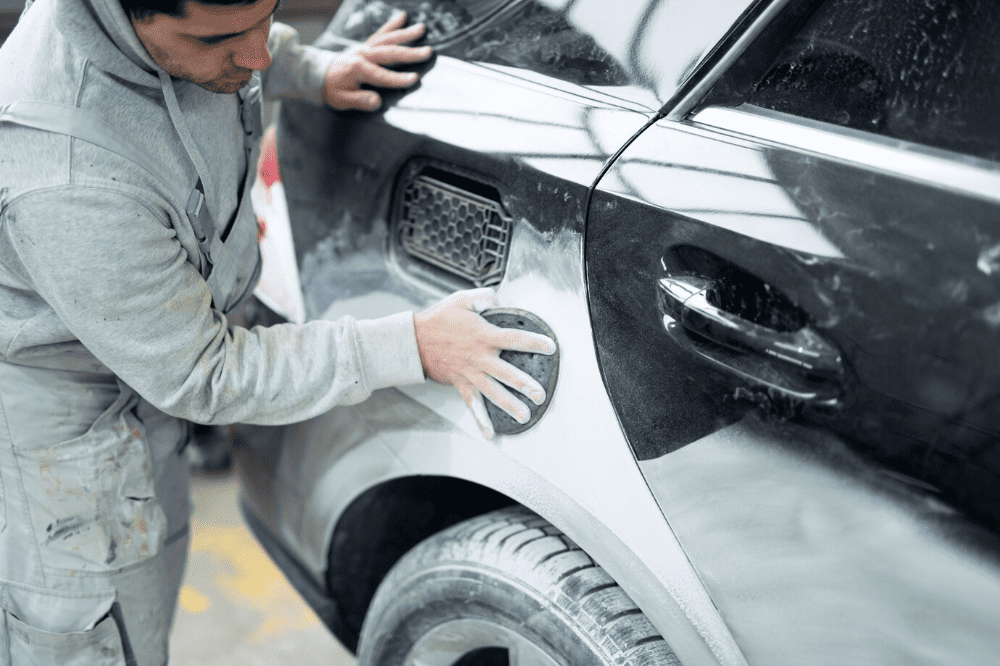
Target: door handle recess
798, 364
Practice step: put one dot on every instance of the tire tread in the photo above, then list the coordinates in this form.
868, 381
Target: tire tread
526, 550
621, 625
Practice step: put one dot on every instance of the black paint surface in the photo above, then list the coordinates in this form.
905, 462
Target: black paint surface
911, 305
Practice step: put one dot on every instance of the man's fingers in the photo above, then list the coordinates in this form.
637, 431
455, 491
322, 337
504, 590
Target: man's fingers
396, 21
522, 341
475, 300
480, 299
403, 36
391, 54
474, 402
377, 75
515, 378
494, 391
363, 100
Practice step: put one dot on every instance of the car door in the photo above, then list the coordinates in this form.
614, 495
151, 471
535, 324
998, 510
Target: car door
793, 281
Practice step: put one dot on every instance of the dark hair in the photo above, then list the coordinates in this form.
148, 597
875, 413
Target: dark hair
141, 10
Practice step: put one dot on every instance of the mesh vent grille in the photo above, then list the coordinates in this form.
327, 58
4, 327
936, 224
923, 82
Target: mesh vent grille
460, 232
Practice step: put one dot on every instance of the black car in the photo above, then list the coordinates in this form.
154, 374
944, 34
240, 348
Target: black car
10, 11
766, 235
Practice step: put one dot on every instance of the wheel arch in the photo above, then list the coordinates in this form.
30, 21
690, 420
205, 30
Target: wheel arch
597, 498
382, 524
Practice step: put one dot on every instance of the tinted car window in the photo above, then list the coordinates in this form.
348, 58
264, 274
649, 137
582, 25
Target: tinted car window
927, 72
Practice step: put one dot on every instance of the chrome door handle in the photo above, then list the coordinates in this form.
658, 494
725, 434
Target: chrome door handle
799, 363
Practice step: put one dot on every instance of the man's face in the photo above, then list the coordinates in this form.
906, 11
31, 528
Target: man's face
214, 46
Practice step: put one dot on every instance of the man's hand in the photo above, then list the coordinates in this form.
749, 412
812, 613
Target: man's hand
460, 348
364, 65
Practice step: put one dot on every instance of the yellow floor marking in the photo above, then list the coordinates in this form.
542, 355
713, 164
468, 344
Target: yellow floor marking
253, 580
194, 601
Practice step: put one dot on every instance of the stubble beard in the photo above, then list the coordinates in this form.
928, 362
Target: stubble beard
227, 84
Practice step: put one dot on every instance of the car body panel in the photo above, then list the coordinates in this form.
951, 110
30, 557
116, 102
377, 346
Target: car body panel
662, 44
794, 533
813, 557
486, 124
648, 53
895, 278
574, 467
856, 534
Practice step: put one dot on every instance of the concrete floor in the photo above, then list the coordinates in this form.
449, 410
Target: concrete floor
236, 608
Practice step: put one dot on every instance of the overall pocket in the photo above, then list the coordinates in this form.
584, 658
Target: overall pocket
91, 499
28, 646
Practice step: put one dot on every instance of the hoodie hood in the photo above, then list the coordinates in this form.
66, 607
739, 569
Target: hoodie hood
102, 30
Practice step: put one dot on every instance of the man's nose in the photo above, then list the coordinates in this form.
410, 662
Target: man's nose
252, 52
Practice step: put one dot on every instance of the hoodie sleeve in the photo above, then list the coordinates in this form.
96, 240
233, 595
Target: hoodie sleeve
119, 280
297, 71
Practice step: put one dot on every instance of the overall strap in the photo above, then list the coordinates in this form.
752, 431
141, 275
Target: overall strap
250, 115
75, 122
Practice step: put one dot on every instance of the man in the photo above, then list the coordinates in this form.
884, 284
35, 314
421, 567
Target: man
126, 153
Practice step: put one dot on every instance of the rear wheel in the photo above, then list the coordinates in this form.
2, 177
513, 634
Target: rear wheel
505, 589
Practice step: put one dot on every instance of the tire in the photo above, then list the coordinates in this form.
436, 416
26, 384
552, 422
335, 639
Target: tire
505, 589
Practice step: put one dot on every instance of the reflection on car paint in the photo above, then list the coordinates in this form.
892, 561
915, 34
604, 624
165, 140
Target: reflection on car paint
443, 19
905, 313
932, 166
836, 562
652, 45
563, 137
724, 183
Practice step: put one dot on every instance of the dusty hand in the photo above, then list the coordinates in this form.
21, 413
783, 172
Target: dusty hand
460, 348
364, 65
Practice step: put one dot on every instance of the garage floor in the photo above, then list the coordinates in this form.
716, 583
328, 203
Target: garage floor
235, 607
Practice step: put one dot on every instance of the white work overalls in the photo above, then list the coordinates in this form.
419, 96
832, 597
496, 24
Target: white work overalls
94, 506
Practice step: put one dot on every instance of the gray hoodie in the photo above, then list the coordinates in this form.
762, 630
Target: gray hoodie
98, 260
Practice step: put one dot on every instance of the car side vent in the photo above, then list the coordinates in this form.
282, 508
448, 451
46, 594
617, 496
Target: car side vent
453, 223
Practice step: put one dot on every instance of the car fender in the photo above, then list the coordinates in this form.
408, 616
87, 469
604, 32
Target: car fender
574, 468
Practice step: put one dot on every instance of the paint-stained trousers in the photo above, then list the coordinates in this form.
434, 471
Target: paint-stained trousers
94, 509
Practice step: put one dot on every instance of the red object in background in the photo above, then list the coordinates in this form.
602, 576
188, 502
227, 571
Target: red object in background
267, 170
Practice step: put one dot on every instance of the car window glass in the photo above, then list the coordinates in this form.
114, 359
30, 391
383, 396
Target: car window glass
927, 72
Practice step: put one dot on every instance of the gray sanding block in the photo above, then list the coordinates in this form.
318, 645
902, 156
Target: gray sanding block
545, 369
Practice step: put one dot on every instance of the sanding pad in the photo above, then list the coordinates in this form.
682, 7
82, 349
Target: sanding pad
544, 369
